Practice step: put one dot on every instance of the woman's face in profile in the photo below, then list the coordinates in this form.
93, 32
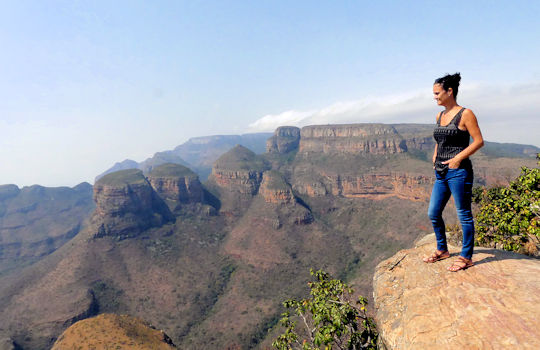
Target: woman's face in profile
440, 95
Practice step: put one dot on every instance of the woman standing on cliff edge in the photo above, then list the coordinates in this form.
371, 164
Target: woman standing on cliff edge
453, 169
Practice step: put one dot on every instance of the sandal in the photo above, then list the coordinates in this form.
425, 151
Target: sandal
436, 256
460, 263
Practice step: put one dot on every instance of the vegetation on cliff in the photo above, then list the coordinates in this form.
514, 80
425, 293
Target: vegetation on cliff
329, 319
171, 170
241, 158
509, 216
122, 177
110, 331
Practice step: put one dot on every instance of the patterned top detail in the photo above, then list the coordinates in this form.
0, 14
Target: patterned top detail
450, 141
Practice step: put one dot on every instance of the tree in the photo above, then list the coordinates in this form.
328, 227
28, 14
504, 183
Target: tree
509, 217
329, 319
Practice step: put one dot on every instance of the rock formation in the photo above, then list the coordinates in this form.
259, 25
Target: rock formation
275, 189
375, 186
176, 184
492, 305
239, 170
351, 138
126, 204
114, 332
284, 140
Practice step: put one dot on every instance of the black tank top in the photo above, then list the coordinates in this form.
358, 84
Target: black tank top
451, 140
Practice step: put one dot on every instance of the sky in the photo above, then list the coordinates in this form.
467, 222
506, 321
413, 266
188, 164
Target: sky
86, 84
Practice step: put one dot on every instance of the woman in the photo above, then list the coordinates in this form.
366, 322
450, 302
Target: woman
453, 169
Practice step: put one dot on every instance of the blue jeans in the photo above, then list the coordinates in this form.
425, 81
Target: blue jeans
458, 183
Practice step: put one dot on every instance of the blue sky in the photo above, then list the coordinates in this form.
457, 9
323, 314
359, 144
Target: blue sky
85, 84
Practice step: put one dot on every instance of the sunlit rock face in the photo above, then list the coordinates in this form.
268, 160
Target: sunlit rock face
239, 170
284, 140
177, 185
351, 138
375, 186
126, 204
492, 305
275, 189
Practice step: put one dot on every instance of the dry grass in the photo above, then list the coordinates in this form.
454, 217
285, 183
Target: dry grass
110, 331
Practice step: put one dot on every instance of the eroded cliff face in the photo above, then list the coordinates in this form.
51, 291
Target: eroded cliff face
492, 305
284, 140
375, 186
239, 171
275, 189
351, 138
126, 205
177, 185
244, 182
118, 200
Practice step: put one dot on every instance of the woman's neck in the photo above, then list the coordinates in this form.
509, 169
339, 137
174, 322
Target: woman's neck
451, 105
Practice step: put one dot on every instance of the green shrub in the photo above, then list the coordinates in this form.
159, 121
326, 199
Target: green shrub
329, 319
509, 217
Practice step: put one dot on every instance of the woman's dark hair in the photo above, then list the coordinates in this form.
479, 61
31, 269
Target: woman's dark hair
450, 81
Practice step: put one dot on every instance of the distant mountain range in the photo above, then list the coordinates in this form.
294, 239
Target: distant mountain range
209, 262
198, 153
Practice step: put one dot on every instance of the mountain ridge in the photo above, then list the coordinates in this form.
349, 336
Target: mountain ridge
211, 269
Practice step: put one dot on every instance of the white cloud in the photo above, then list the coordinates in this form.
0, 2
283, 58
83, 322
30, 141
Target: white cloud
505, 113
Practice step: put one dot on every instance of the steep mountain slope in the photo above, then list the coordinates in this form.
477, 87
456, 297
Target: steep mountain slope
210, 263
36, 220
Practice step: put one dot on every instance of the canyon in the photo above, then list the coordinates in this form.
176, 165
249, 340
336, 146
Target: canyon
210, 261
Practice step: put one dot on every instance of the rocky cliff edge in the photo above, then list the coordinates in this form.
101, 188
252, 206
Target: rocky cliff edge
492, 305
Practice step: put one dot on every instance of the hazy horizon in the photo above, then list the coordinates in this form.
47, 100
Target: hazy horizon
86, 85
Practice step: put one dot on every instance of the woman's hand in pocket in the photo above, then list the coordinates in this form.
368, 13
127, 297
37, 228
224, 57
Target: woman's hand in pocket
453, 163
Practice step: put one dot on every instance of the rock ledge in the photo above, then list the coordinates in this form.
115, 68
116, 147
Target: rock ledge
492, 305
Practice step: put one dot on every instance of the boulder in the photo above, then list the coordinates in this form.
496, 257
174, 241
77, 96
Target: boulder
492, 305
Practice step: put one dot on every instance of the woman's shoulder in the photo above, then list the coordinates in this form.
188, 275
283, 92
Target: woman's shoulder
467, 114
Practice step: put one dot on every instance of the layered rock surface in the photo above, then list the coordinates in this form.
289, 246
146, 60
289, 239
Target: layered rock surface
239, 170
126, 204
275, 189
351, 138
284, 140
176, 184
492, 305
374, 186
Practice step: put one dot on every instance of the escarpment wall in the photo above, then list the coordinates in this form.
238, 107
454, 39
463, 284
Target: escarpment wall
376, 186
181, 189
284, 140
240, 181
353, 138
126, 205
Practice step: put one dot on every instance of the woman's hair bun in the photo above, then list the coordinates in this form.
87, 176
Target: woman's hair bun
455, 77
450, 81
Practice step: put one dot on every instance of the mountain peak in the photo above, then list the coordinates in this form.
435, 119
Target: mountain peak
241, 158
